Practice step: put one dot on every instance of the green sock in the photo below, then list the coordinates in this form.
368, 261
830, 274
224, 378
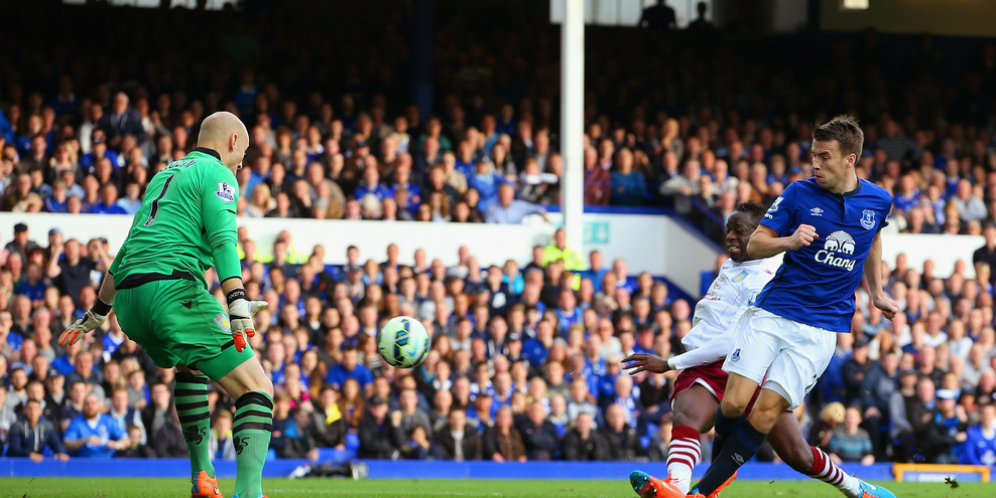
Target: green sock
190, 394
251, 436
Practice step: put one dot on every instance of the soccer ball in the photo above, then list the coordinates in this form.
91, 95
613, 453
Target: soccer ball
403, 342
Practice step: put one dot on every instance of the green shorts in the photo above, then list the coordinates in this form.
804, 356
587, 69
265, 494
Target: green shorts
180, 323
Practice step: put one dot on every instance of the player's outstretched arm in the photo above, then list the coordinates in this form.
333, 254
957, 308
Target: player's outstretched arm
765, 242
645, 362
712, 351
873, 275
94, 317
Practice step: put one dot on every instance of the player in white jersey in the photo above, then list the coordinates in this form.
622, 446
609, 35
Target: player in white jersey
700, 386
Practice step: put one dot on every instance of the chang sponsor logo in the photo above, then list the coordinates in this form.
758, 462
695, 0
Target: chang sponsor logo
837, 245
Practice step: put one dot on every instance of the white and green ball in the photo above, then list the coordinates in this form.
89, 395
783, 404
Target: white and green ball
403, 342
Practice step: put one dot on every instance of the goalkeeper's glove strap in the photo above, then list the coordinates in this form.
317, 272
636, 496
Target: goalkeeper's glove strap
100, 308
235, 295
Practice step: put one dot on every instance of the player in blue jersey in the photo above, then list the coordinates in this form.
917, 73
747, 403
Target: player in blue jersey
828, 227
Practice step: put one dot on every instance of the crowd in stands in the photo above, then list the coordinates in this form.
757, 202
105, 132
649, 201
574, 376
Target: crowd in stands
358, 151
524, 363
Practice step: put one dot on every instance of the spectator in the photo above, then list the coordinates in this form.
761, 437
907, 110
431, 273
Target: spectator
597, 180
22, 244
502, 441
877, 390
220, 444
301, 436
330, 420
558, 251
851, 443
629, 187
93, 434
622, 440
126, 416
379, 436
417, 447
157, 413
823, 429
658, 18
946, 429
136, 448
987, 253
71, 273
455, 441
660, 442
122, 121
584, 443
33, 433
486, 182
167, 441
969, 202
510, 210
350, 368
855, 370
411, 413
979, 447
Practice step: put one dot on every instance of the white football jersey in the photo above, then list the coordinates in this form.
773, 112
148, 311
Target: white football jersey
735, 287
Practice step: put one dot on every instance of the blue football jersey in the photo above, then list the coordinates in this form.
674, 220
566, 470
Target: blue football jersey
815, 285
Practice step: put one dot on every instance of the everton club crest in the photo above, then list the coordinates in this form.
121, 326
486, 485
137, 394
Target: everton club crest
868, 219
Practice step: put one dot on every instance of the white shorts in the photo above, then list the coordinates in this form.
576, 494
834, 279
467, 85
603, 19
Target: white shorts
787, 356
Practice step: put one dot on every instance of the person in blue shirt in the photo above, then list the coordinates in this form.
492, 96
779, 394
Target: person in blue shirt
132, 201
941, 439
486, 181
98, 151
829, 229
568, 313
32, 284
108, 201
371, 185
509, 210
56, 200
908, 195
629, 188
536, 349
350, 368
979, 447
93, 434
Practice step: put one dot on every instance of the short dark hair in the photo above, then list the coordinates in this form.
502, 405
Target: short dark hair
752, 209
845, 130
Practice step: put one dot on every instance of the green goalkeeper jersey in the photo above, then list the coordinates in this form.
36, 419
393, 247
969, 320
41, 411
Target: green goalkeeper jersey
186, 222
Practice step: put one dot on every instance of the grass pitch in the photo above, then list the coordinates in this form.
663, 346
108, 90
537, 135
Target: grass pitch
398, 488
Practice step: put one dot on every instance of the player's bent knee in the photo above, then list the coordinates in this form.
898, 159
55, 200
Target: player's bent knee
734, 403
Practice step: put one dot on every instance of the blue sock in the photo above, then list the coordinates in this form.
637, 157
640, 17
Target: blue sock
724, 426
740, 446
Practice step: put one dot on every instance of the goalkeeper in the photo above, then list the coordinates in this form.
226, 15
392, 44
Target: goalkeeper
185, 225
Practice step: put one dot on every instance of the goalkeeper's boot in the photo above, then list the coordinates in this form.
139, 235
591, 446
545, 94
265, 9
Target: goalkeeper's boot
261, 495
648, 486
869, 490
205, 486
715, 494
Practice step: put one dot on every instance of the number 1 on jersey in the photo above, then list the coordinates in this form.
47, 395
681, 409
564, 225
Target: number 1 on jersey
155, 203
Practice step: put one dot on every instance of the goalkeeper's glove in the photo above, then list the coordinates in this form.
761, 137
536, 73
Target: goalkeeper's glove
93, 318
240, 313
